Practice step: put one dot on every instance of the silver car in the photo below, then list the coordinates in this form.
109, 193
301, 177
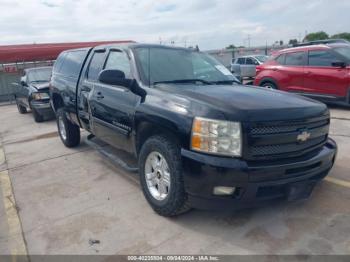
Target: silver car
245, 66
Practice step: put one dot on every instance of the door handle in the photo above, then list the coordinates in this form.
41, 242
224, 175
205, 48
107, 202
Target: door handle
275, 69
308, 72
99, 95
85, 88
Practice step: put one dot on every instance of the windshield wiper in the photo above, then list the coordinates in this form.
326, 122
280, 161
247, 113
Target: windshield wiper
226, 82
180, 81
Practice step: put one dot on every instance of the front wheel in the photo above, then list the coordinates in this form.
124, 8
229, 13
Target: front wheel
269, 85
161, 178
69, 132
21, 109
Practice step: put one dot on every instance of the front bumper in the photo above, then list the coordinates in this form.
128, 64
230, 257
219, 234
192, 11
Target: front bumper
255, 182
43, 108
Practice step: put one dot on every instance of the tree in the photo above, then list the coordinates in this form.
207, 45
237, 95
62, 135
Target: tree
293, 42
344, 35
231, 47
321, 35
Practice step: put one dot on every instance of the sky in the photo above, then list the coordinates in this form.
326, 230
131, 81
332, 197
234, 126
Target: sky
212, 24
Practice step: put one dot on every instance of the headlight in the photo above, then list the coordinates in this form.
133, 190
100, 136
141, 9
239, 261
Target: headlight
40, 96
216, 137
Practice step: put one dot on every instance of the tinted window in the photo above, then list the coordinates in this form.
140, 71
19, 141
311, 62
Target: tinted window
241, 61
95, 66
250, 61
280, 59
344, 51
295, 59
58, 64
72, 63
321, 58
119, 61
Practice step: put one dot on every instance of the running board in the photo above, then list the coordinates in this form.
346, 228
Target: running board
112, 157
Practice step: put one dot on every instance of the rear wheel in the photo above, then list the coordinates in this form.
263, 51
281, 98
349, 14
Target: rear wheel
69, 132
21, 109
269, 85
160, 170
37, 117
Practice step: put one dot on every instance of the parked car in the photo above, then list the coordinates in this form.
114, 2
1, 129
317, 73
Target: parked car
200, 138
33, 93
245, 66
318, 71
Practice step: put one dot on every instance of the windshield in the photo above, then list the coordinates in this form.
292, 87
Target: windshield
344, 51
39, 75
262, 58
161, 64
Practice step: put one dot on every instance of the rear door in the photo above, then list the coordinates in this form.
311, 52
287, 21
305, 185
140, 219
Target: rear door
87, 83
291, 71
113, 106
321, 77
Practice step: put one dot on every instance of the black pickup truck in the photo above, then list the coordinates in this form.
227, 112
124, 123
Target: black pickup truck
201, 139
33, 93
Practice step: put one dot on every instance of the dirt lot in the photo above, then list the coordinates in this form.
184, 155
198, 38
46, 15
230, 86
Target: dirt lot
61, 199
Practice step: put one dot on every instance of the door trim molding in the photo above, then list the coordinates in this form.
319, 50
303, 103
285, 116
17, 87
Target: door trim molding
118, 129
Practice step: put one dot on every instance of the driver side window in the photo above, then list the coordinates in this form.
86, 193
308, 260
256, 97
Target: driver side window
118, 60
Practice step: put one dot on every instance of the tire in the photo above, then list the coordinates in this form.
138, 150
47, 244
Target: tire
269, 85
21, 109
37, 117
176, 200
69, 132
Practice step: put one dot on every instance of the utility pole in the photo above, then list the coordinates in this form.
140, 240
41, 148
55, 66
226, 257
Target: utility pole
248, 41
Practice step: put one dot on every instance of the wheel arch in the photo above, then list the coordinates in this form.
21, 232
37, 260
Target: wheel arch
148, 128
57, 101
268, 80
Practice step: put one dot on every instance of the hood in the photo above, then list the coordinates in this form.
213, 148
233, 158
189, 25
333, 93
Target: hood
247, 103
41, 86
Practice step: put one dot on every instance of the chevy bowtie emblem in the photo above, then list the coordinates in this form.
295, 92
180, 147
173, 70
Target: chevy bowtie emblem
303, 136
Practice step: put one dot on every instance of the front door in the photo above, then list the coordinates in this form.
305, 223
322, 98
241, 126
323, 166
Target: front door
321, 77
114, 106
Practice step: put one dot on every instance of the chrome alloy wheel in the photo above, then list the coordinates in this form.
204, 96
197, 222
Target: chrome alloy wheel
62, 128
157, 175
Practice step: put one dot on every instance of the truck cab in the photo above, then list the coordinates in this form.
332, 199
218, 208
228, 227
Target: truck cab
200, 138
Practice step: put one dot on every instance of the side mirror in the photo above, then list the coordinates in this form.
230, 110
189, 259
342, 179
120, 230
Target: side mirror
339, 64
23, 81
114, 77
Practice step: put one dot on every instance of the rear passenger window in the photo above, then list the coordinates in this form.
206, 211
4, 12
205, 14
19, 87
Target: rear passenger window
295, 59
321, 58
96, 65
58, 64
241, 61
118, 61
72, 63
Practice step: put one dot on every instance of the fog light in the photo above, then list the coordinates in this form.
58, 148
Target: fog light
223, 190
